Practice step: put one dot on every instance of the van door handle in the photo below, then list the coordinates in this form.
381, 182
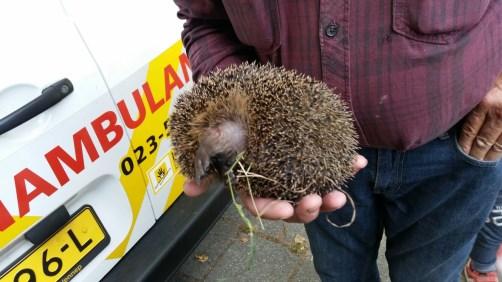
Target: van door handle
50, 96
49, 225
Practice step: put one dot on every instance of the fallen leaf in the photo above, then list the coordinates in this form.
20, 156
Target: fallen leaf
299, 239
201, 258
299, 245
244, 238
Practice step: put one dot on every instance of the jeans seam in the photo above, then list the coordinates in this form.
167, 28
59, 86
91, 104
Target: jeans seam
396, 183
400, 172
377, 169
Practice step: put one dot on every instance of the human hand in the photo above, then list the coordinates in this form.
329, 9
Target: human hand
305, 211
481, 135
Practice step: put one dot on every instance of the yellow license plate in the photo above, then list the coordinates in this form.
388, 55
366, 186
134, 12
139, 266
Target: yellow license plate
65, 253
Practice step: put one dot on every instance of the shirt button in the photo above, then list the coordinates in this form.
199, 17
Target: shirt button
332, 30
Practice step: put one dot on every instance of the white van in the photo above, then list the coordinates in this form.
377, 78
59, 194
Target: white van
86, 166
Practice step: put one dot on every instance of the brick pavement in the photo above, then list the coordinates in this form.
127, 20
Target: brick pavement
280, 254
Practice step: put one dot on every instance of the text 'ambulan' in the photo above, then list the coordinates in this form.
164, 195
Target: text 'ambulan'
108, 133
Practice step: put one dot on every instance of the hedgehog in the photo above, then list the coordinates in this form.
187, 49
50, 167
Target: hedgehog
291, 131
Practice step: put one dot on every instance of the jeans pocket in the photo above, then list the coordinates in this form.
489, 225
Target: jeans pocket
439, 22
470, 159
255, 23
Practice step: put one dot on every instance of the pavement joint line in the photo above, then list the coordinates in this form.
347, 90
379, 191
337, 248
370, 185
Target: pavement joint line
280, 238
281, 241
263, 235
284, 231
295, 270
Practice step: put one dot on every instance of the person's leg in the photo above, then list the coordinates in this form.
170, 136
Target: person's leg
434, 211
349, 254
433, 200
484, 253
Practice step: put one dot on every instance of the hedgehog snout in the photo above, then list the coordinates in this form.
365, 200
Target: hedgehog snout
219, 147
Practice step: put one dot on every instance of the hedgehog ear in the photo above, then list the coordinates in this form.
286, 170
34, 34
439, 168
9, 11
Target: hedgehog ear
202, 162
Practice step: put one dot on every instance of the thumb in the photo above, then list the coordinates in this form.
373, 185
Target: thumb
192, 189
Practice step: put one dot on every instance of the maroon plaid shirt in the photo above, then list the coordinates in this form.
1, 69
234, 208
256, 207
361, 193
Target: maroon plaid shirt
410, 69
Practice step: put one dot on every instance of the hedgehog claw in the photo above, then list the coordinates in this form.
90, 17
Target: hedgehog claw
198, 165
201, 165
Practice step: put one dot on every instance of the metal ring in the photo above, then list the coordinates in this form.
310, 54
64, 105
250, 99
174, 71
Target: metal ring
497, 147
482, 142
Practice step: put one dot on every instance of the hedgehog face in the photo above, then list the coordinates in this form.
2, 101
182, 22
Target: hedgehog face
219, 146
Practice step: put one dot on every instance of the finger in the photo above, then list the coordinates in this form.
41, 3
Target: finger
487, 136
491, 127
360, 162
307, 209
471, 127
333, 201
268, 208
192, 189
495, 151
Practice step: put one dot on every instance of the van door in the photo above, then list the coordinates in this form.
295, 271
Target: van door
137, 45
66, 210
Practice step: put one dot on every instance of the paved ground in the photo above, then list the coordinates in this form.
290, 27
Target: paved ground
282, 254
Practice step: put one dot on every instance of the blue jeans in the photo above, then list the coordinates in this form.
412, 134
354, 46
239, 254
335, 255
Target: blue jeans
484, 252
431, 202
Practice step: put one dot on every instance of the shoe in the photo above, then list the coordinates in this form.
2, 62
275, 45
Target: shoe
472, 275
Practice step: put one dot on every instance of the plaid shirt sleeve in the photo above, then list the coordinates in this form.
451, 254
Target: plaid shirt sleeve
209, 38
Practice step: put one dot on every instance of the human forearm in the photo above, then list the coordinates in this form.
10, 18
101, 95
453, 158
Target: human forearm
209, 38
